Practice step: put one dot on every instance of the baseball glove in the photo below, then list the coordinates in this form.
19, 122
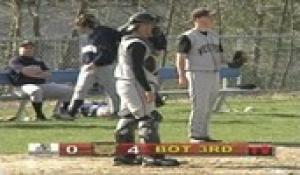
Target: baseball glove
238, 60
150, 64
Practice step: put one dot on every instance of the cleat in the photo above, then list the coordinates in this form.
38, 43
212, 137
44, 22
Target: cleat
127, 161
64, 117
203, 139
150, 161
42, 118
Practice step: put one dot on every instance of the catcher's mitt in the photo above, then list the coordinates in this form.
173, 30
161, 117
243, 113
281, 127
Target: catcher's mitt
158, 40
150, 64
238, 60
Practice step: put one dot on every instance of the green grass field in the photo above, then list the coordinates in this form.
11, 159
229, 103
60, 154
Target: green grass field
274, 118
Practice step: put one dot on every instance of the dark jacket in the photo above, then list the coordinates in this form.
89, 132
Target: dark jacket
102, 46
16, 64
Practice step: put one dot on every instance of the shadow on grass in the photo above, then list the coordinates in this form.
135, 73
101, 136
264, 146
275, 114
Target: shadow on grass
53, 126
244, 122
277, 115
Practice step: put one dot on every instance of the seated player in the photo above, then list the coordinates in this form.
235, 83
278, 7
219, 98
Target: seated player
30, 75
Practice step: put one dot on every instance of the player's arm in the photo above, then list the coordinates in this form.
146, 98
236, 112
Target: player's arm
45, 73
137, 52
89, 53
33, 71
104, 54
184, 46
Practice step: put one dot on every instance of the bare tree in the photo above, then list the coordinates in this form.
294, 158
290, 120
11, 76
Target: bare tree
169, 26
16, 6
257, 47
274, 73
283, 83
71, 45
15, 26
33, 10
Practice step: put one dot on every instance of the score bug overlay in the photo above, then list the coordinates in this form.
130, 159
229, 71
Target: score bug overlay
175, 149
43, 148
203, 149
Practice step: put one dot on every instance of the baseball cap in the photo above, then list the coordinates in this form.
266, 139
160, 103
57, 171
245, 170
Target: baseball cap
26, 43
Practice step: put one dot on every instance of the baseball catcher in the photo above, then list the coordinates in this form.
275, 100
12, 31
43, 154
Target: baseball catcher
135, 88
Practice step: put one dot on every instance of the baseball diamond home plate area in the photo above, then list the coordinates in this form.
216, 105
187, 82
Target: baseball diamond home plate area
283, 159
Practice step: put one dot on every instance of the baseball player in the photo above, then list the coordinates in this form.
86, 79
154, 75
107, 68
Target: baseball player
158, 45
199, 58
30, 75
98, 58
134, 86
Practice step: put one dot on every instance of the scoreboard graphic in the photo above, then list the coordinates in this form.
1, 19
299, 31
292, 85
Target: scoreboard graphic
175, 149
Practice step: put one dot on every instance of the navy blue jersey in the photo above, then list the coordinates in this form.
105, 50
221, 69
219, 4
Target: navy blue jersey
16, 65
102, 46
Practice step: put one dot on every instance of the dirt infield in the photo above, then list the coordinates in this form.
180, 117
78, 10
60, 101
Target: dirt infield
286, 161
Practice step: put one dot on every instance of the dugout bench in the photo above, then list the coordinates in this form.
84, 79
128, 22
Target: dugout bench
166, 73
9, 92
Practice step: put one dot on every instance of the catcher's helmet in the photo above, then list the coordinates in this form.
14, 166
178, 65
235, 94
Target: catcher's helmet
142, 17
138, 18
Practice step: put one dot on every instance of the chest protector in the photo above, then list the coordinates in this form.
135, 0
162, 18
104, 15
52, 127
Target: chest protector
124, 66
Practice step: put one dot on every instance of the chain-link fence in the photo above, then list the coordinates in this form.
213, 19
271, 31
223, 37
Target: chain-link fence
57, 53
273, 59
261, 69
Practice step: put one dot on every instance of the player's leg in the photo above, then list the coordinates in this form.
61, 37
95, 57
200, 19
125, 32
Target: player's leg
199, 89
85, 80
35, 92
109, 83
125, 134
214, 93
148, 127
149, 133
63, 93
126, 125
132, 105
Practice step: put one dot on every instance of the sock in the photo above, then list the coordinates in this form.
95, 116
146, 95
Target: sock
75, 107
37, 106
65, 105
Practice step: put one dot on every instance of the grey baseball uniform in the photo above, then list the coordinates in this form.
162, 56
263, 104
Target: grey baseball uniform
134, 110
101, 75
39, 92
100, 50
203, 52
